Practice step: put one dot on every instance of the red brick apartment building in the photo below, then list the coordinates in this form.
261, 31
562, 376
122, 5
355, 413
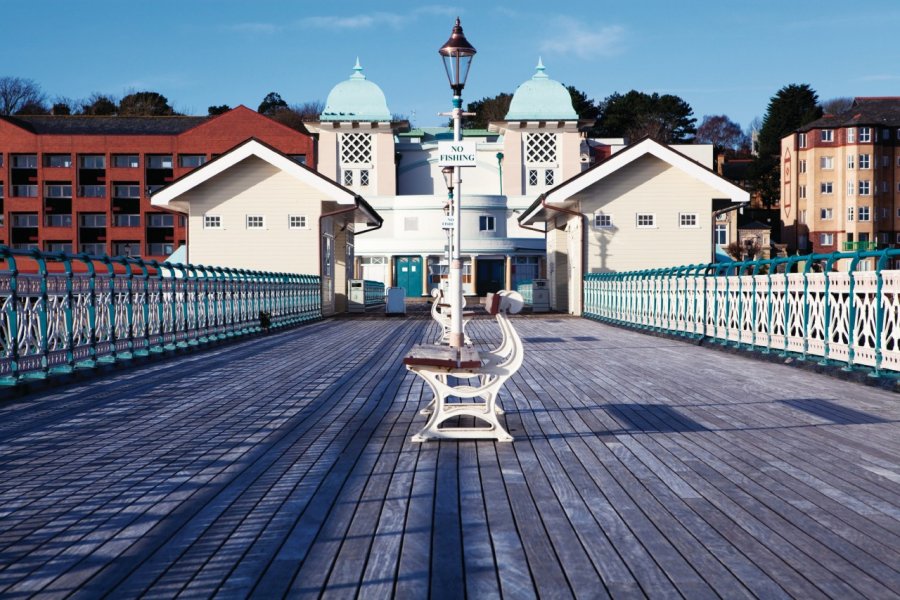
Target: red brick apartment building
83, 183
840, 180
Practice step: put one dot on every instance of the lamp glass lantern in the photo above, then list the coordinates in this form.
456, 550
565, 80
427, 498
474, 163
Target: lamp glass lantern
457, 55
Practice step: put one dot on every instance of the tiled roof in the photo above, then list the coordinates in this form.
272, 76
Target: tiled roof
92, 125
879, 111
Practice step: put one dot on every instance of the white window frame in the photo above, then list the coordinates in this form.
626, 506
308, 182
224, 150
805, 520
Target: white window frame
801, 192
298, 222
212, 222
826, 239
651, 217
851, 135
826, 135
826, 188
863, 214
721, 228
602, 221
801, 216
684, 221
851, 161
826, 214
801, 140
849, 213
255, 222
864, 188
826, 162
489, 223
865, 161
801, 166
851, 187
865, 135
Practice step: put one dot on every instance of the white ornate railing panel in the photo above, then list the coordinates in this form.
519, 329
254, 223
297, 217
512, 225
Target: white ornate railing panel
781, 305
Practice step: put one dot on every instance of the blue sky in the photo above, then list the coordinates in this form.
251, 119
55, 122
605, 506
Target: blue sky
721, 56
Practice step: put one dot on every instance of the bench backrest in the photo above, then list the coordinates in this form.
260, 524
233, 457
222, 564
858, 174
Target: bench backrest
492, 303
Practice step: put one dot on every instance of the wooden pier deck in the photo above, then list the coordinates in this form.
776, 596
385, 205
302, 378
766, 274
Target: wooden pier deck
282, 466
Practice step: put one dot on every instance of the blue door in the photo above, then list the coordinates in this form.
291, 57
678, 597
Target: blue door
408, 274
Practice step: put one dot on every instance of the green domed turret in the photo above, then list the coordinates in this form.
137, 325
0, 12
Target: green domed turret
356, 99
541, 99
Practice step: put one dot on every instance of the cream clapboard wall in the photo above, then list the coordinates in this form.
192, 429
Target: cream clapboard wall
253, 186
647, 185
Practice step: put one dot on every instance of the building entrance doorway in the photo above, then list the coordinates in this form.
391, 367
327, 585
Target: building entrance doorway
490, 276
408, 273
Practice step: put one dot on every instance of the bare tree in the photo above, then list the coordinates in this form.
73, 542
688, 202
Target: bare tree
17, 93
309, 111
836, 106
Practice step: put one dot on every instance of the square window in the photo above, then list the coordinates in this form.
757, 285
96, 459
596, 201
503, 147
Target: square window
255, 222
687, 220
863, 213
864, 161
825, 187
825, 214
297, 221
865, 134
827, 135
826, 162
212, 222
486, 223
826, 239
864, 188
532, 177
602, 221
646, 220
348, 177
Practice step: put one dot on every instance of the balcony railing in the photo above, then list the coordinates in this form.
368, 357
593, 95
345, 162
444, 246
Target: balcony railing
92, 191
57, 191
58, 220
128, 220
860, 246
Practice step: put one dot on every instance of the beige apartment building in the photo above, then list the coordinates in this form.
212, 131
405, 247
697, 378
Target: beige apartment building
840, 180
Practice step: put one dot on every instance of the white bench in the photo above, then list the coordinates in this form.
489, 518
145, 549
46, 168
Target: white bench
449, 373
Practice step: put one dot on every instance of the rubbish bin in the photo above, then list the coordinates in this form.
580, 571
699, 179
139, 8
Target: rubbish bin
540, 296
396, 301
357, 296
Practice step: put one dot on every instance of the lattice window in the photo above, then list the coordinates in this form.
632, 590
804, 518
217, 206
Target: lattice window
364, 177
549, 177
540, 148
356, 149
532, 177
348, 177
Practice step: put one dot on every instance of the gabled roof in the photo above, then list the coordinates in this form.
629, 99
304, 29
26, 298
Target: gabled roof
254, 147
882, 111
96, 125
561, 195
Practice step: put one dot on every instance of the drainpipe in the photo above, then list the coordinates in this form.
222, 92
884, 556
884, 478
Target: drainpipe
583, 219
500, 169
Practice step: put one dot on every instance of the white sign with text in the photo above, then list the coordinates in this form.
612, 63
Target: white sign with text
456, 154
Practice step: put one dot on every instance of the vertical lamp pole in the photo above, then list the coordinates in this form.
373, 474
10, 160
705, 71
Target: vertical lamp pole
457, 55
447, 172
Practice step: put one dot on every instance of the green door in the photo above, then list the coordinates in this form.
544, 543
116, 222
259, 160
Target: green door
408, 274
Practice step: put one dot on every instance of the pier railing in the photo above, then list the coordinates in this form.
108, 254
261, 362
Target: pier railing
820, 305
63, 312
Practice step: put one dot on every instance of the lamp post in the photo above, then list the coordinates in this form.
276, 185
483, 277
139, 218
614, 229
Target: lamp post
447, 172
457, 55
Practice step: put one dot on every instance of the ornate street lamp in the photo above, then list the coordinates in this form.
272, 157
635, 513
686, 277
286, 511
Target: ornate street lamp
457, 55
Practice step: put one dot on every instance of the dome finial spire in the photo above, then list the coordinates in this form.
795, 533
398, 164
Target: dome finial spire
539, 69
357, 71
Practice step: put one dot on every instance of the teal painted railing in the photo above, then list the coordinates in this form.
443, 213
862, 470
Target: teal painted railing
526, 288
841, 307
64, 312
374, 292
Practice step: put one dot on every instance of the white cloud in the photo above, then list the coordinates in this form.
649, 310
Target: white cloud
255, 28
882, 77
356, 21
573, 37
